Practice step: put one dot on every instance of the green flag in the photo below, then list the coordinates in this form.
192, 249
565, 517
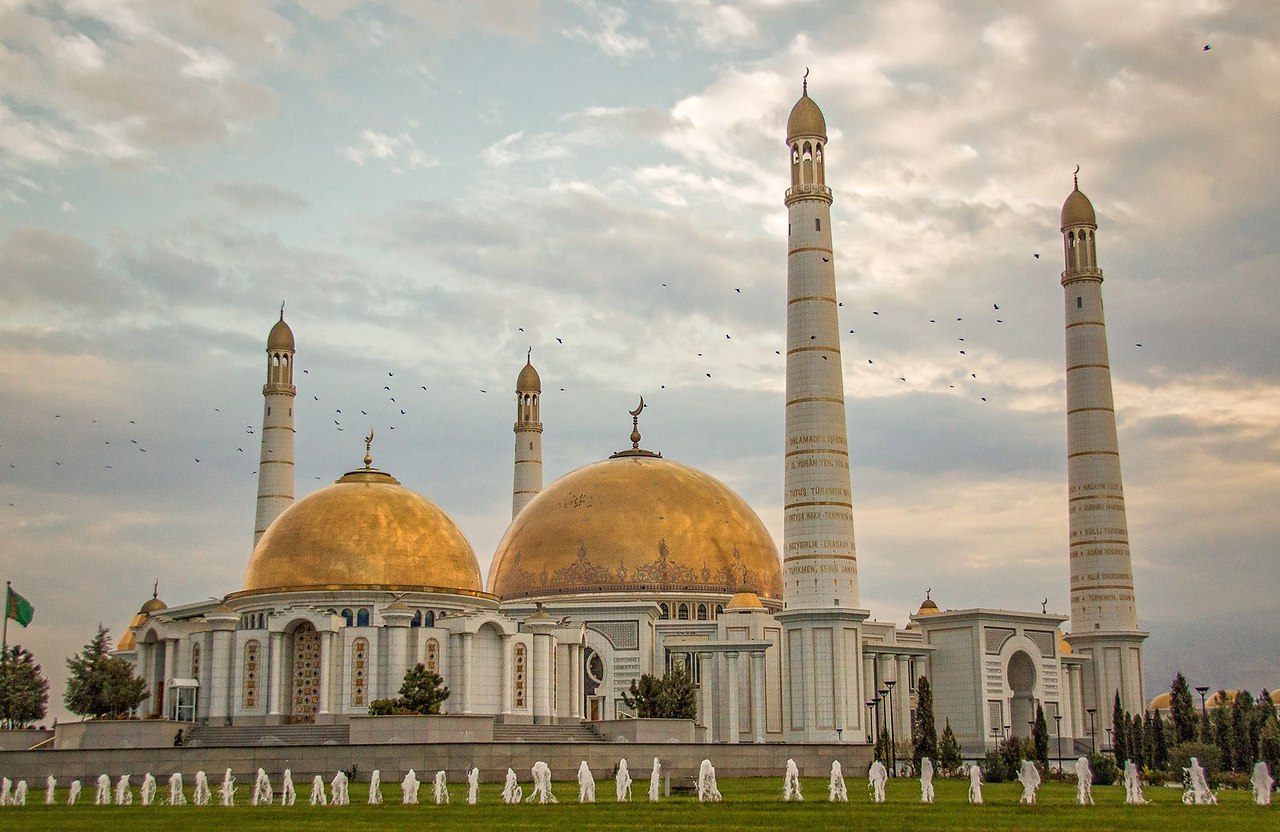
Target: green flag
19, 609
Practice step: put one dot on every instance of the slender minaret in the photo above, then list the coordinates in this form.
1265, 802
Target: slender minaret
275, 467
821, 616
528, 428
1104, 613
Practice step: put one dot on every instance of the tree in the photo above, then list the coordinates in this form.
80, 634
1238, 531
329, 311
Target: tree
642, 697
1244, 738
1149, 740
101, 685
949, 754
1269, 745
1182, 711
1159, 744
1040, 738
1221, 732
883, 746
924, 731
423, 692
1137, 742
1266, 709
677, 696
24, 692
1119, 731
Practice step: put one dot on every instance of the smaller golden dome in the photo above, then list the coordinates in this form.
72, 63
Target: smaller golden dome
806, 119
927, 606
281, 337
744, 600
152, 605
528, 381
1064, 646
1161, 703
1078, 210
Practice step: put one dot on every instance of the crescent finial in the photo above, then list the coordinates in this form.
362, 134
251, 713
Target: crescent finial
639, 409
1076, 177
368, 449
805, 80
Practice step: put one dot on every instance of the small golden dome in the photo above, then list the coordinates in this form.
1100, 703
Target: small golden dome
1163, 702
1064, 646
1078, 210
745, 600
365, 530
281, 336
528, 381
927, 606
152, 605
806, 120
631, 524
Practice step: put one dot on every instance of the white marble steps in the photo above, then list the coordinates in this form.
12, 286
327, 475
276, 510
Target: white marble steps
570, 732
229, 736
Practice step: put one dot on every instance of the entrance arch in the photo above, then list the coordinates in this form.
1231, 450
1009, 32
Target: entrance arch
1021, 675
304, 699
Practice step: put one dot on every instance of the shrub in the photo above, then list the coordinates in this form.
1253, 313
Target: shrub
1104, 770
1208, 755
995, 769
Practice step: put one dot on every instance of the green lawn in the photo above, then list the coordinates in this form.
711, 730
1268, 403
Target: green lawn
748, 804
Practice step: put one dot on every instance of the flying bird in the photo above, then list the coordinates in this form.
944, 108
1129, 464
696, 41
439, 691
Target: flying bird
558, 340
1207, 47
1037, 255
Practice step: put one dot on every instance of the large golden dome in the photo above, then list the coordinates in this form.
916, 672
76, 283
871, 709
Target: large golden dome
1078, 210
636, 523
364, 531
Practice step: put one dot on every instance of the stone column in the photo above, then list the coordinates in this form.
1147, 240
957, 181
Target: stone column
579, 681
902, 693
508, 669
757, 695
221, 664
731, 668
275, 684
704, 693
397, 616
326, 671
465, 694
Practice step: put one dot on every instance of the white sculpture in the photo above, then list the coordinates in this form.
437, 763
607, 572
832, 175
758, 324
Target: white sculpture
50, 787
20, 794
622, 782
1084, 782
975, 784
541, 784
511, 791
708, 792
473, 786
262, 792
317, 792
837, 792
147, 793
877, 777
409, 788
338, 790
176, 797
228, 789
73, 792
440, 788
203, 794
6, 789
124, 797
375, 788
1133, 785
926, 780
655, 781
791, 782
1198, 792
102, 798
287, 793
586, 784
1029, 777
1263, 782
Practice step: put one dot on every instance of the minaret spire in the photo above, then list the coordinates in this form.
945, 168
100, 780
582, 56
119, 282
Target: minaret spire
275, 464
1104, 612
822, 650
528, 428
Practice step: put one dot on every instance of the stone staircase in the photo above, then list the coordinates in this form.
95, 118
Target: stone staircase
563, 732
223, 736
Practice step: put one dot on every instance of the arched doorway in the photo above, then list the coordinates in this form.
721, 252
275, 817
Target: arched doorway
1021, 674
305, 688
593, 684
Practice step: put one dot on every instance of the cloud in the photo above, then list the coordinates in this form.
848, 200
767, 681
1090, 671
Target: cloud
399, 151
250, 196
43, 267
603, 29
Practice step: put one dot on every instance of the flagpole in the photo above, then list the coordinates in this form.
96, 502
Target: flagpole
8, 593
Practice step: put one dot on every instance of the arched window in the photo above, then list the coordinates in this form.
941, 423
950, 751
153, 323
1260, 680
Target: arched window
719, 610
362, 617
428, 619
664, 612
347, 617
682, 612
359, 671
416, 621
249, 685
702, 612
442, 614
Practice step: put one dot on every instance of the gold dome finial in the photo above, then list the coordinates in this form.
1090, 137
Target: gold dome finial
282, 310
1075, 177
635, 425
368, 450
804, 82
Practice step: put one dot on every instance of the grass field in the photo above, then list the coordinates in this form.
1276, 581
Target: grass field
748, 804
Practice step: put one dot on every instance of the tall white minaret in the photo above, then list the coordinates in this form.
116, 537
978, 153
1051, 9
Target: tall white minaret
528, 428
821, 646
1104, 612
275, 467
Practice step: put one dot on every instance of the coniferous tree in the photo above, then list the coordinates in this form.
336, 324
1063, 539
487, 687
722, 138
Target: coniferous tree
1221, 732
101, 685
24, 692
1149, 740
1160, 744
1137, 741
1119, 731
924, 731
422, 691
677, 696
1244, 745
1269, 745
949, 755
1040, 738
643, 696
1266, 709
1182, 711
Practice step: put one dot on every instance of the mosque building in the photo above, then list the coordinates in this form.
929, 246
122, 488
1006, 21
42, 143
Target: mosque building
638, 564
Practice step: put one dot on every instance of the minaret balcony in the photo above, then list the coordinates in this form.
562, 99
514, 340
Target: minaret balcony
1072, 275
808, 192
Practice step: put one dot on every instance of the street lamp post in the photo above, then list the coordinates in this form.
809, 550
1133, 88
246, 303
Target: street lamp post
871, 704
1204, 713
1058, 719
1093, 737
893, 739
875, 703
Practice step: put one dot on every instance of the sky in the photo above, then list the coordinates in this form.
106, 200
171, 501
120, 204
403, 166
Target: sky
433, 188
